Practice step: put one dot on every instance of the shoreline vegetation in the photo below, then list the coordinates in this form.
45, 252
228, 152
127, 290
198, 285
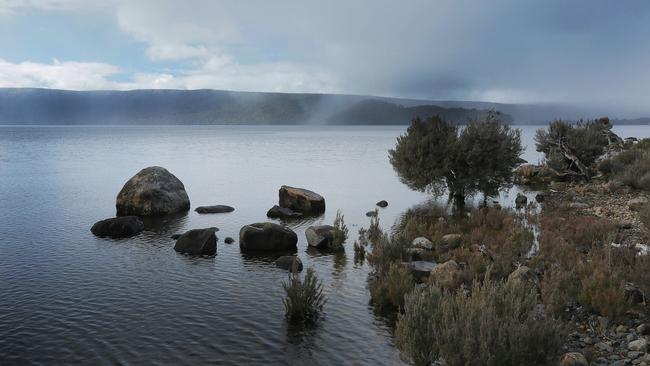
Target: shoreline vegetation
559, 280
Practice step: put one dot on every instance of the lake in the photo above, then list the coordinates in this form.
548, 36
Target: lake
69, 297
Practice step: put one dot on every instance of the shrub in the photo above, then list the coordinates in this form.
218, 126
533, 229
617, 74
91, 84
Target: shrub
435, 156
574, 148
496, 324
601, 285
387, 251
387, 290
340, 234
304, 299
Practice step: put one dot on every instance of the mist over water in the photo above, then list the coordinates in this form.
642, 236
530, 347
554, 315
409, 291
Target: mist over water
70, 297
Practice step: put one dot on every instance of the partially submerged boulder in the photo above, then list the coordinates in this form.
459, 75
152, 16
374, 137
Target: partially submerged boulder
277, 212
289, 262
301, 200
267, 237
229, 240
154, 191
321, 236
214, 209
197, 242
118, 227
382, 203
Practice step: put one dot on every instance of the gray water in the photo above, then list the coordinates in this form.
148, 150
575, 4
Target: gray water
69, 297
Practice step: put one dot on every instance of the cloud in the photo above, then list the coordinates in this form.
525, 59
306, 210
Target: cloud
586, 51
58, 75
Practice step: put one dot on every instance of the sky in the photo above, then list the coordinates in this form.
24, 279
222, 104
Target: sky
588, 52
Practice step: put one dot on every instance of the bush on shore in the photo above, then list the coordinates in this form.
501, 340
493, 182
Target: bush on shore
496, 324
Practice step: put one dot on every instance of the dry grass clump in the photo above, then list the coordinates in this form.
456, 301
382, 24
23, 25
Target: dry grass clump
497, 323
490, 237
304, 299
631, 167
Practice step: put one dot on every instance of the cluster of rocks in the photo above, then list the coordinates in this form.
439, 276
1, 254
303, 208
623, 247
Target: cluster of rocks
154, 191
444, 274
602, 343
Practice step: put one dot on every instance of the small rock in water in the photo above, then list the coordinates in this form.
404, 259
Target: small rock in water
540, 197
118, 227
371, 213
267, 237
214, 209
197, 242
382, 203
301, 200
290, 263
277, 212
229, 240
154, 191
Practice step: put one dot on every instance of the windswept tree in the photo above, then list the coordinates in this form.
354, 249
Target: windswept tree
572, 149
436, 156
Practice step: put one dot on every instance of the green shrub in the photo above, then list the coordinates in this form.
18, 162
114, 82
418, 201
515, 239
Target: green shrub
340, 234
586, 140
496, 324
304, 300
387, 251
387, 290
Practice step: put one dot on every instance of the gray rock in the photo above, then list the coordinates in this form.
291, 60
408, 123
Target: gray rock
540, 197
521, 200
640, 345
451, 240
152, 192
382, 203
321, 236
290, 263
197, 242
422, 243
573, 359
604, 347
371, 213
277, 212
267, 237
301, 200
637, 203
229, 240
214, 209
643, 329
445, 274
118, 227
420, 268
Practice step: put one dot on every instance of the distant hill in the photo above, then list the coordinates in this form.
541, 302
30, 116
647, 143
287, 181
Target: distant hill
64, 107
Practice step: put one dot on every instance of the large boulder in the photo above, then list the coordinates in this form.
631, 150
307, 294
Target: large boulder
321, 236
197, 242
277, 212
267, 237
152, 192
301, 200
446, 274
118, 227
290, 263
214, 209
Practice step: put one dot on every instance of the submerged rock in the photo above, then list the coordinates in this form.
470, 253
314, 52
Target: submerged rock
267, 237
382, 203
289, 262
118, 227
154, 191
277, 212
301, 200
197, 242
321, 236
214, 209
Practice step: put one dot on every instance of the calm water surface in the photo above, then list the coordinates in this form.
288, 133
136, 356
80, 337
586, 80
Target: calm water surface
69, 297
